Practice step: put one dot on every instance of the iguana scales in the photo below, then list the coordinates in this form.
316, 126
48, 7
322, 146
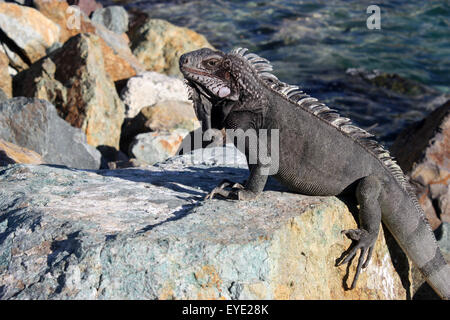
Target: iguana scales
320, 153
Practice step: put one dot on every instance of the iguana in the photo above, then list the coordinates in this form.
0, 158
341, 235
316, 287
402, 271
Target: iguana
320, 154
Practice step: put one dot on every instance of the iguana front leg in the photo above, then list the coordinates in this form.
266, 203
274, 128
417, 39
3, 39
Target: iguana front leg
250, 190
367, 194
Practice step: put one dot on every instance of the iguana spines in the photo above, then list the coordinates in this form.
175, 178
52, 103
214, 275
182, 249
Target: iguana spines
262, 67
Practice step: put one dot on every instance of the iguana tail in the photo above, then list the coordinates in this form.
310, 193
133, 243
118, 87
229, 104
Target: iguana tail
406, 220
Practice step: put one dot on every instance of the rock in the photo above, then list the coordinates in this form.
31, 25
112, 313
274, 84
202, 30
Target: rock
423, 151
74, 79
68, 18
29, 33
86, 6
115, 18
34, 124
167, 115
149, 88
3, 96
111, 157
146, 233
21, 2
130, 163
5, 78
444, 240
136, 19
158, 45
10, 153
162, 116
153, 147
395, 102
119, 61
391, 82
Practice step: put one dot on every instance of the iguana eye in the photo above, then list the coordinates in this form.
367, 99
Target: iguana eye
212, 63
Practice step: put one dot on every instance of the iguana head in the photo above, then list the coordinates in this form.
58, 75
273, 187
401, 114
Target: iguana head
217, 75
210, 71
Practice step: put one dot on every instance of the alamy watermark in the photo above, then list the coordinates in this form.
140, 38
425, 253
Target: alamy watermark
374, 20
74, 19
261, 147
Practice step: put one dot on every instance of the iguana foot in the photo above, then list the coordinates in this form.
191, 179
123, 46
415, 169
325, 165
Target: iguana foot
365, 242
237, 192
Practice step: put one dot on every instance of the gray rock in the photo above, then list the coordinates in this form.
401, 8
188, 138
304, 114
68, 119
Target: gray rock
3, 96
146, 233
444, 239
153, 147
115, 18
34, 124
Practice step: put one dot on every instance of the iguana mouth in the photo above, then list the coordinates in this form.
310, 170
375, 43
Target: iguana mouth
196, 71
199, 72
201, 87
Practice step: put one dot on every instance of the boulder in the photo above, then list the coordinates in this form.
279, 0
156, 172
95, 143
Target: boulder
423, 152
162, 116
153, 147
158, 45
86, 6
111, 157
35, 125
21, 2
115, 18
5, 78
3, 96
27, 33
69, 19
149, 88
74, 79
136, 18
10, 153
146, 233
444, 240
391, 82
119, 61
168, 115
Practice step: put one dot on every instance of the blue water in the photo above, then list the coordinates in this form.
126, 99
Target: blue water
314, 43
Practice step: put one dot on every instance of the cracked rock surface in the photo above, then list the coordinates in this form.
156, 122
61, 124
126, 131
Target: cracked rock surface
146, 233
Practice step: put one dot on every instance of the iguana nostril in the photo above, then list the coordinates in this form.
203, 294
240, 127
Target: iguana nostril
184, 59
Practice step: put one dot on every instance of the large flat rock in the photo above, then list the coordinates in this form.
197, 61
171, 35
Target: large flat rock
146, 233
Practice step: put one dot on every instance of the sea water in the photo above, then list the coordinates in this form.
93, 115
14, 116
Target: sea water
321, 45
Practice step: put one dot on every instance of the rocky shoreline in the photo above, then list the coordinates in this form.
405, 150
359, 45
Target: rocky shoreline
86, 91
98, 74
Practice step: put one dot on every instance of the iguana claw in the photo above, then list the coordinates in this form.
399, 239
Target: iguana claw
228, 194
237, 192
364, 242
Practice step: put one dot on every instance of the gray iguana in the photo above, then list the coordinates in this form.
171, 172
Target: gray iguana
320, 153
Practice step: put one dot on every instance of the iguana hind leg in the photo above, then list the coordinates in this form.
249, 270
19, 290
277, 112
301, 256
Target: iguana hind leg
367, 194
